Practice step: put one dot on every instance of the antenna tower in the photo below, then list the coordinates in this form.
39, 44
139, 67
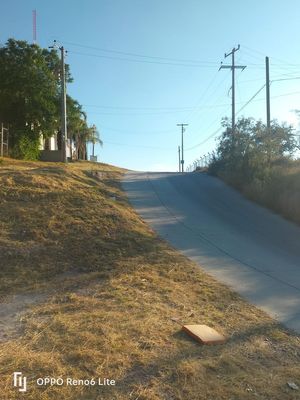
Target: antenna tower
34, 26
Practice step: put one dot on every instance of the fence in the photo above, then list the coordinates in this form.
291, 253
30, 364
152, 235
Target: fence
4, 134
201, 163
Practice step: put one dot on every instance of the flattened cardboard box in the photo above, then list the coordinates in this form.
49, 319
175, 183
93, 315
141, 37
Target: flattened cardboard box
204, 334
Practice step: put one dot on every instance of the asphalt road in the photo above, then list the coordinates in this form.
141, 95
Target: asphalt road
252, 250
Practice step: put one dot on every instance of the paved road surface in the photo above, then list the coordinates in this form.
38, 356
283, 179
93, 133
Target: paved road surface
247, 247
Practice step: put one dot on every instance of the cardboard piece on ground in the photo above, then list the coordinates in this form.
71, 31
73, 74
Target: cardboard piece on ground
204, 334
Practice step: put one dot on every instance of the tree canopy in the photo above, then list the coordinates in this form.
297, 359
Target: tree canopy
30, 96
252, 149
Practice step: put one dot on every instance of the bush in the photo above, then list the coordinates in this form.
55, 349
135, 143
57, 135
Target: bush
249, 152
27, 148
258, 162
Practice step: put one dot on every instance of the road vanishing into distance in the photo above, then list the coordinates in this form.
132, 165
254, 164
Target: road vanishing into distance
252, 250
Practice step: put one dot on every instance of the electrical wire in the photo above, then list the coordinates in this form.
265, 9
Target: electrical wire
182, 64
252, 98
244, 106
139, 108
137, 114
207, 107
202, 96
180, 60
286, 79
107, 128
211, 94
138, 146
274, 58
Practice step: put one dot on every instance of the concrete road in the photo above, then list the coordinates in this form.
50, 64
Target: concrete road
245, 246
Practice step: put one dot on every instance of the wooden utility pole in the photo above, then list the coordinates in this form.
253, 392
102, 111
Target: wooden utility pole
64, 133
268, 94
233, 67
182, 159
179, 159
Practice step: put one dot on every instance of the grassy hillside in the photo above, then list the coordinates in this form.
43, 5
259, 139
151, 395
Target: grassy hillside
88, 290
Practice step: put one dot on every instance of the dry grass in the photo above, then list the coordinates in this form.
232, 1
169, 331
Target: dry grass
280, 191
110, 298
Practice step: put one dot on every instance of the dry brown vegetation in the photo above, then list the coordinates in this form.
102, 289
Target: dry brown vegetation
280, 192
96, 294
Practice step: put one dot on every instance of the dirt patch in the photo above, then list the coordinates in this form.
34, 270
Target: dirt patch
14, 308
12, 312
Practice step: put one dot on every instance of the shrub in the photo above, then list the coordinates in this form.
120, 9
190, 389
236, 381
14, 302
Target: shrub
27, 148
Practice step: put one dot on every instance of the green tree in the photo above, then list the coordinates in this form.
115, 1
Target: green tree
29, 94
250, 152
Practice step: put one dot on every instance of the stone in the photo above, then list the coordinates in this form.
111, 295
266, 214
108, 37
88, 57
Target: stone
293, 386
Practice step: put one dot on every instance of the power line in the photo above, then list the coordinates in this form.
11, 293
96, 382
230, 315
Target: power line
209, 137
273, 58
135, 114
285, 79
182, 64
200, 100
136, 145
138, 108
209, 106
275, 76
180, 60
215, 105
283, 95
205, 140
136, 132
200, 108
249, 101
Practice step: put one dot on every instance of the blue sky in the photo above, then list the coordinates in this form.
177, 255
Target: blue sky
140, 67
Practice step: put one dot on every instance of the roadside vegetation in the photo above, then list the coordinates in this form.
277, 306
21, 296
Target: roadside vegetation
259, 162
88, 290
30, 98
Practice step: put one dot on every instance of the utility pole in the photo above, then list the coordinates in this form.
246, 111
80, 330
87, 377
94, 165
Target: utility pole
182, 159
268, 94
178, 158
64, 106
233, 67
64, 133
94, 138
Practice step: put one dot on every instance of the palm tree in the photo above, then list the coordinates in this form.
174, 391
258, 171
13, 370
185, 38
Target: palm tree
94, 137
81, 138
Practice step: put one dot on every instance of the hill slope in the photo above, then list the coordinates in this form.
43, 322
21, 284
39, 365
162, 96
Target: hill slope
88, 290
